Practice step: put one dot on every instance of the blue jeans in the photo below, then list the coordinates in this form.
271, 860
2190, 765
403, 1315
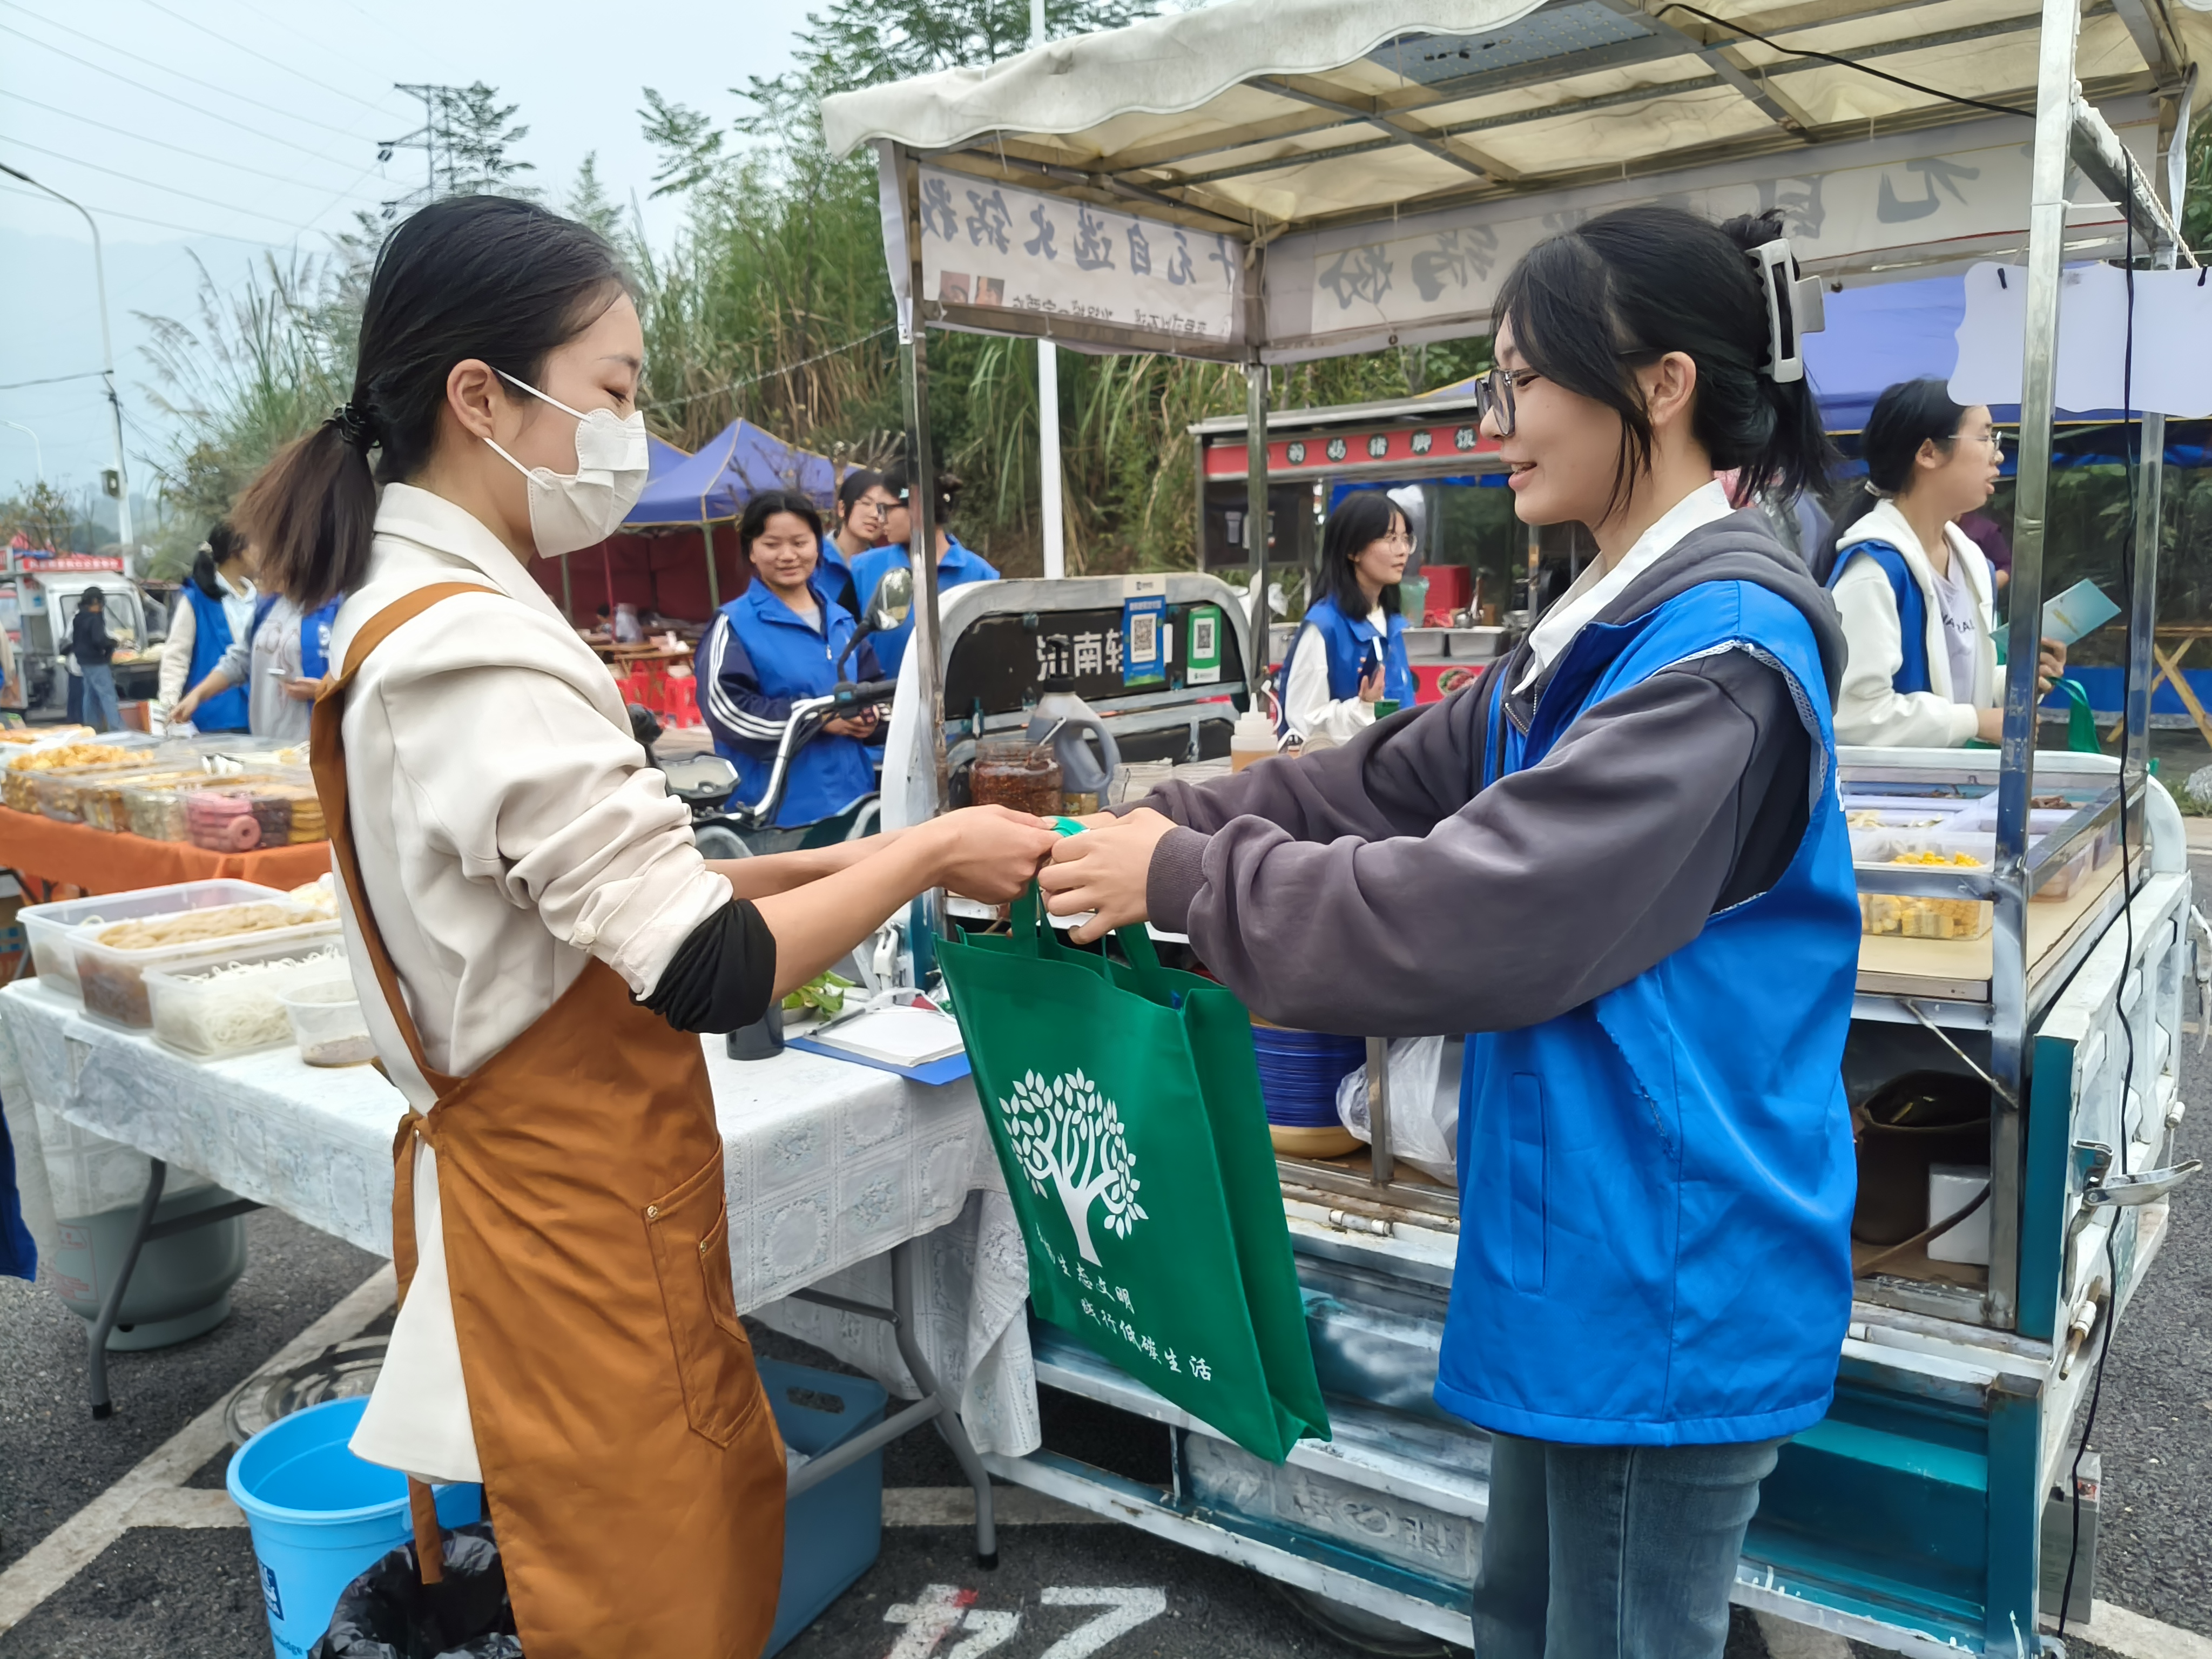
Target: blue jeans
1613, 1551
101, 711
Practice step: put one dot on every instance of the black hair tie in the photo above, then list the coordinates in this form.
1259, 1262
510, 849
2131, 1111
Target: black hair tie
355, 424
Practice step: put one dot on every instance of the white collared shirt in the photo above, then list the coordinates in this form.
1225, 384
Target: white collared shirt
508, 830
1597, 587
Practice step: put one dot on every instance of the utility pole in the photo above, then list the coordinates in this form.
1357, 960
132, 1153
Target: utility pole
428, 138
1048, 478
121, 487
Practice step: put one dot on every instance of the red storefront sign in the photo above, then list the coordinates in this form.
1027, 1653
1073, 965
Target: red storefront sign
1330, 452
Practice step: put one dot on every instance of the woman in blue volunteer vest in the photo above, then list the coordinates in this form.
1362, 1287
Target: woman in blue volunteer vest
1617, 860
1915, 592
956, 565
280, 665
216, 609
777, 643
1350, 652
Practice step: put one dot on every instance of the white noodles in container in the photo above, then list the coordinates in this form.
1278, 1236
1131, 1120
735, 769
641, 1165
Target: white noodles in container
230, 1002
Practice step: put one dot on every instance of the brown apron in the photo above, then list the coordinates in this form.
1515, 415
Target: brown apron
631, 1466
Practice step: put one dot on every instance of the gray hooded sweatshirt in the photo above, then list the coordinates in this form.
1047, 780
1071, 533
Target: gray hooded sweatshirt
1379, 889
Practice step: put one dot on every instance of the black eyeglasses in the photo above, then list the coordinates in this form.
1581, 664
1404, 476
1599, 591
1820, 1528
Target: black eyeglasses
1493, 396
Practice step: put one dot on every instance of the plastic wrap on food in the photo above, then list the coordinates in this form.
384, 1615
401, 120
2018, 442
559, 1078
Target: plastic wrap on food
111, 958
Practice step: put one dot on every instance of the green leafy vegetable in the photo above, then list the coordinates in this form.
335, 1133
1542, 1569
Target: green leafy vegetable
823, 995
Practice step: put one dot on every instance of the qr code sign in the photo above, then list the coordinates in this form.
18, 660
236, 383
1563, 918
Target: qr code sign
1145, 636
1202, 636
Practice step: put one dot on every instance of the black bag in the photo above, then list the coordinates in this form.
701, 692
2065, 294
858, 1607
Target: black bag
389, 1612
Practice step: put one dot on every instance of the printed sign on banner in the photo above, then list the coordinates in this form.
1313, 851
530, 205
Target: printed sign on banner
988, 244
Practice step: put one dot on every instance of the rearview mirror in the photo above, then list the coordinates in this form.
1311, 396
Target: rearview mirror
893, 601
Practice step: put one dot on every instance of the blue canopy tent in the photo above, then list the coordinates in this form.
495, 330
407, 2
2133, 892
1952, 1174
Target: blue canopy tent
650, 561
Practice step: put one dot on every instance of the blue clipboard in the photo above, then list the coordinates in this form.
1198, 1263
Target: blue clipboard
951, 1069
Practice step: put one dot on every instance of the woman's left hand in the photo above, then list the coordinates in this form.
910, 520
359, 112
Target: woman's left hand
1104, 870
2048, 666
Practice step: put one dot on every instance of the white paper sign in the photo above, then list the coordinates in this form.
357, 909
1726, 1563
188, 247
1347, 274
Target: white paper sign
2172, 328
990, 245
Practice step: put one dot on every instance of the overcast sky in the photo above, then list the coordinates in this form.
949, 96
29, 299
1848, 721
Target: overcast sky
229, 129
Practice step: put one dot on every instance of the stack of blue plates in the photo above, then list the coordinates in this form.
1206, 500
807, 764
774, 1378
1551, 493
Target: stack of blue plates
1299, 1072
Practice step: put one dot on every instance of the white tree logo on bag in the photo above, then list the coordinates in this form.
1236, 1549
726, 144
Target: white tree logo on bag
1064, 1132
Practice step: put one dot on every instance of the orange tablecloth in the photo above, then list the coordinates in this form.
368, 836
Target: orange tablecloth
40, 851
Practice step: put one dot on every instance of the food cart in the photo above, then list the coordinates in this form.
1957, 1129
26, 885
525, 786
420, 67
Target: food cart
1270, 180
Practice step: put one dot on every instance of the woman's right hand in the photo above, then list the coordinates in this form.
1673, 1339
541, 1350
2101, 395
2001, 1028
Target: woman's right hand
1371, 686
989, 853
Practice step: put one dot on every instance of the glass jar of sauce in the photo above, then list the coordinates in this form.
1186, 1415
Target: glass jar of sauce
1015, 773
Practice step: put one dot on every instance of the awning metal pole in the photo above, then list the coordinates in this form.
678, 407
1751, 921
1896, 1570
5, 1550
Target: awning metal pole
713, 580
922, 546
2046, 238
1255, 521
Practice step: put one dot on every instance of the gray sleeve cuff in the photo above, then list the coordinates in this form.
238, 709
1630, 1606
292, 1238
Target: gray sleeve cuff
1177, 874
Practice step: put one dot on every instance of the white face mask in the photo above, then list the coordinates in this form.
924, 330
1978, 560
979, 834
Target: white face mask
580, 509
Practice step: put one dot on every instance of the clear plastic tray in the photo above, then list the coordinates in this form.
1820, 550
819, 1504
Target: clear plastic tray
328, 1025
231, 1001
239, 814
19, 784
104, 802
111, 978
52, 928
1907, 916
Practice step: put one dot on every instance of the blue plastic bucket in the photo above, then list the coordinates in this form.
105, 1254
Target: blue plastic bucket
832, 1533
321, 1517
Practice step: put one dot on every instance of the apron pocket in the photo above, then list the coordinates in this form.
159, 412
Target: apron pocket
691, 1233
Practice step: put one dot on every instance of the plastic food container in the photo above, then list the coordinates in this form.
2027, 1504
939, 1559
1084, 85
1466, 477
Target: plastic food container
104, 802
231, 1002
1905, 915
111, 970
327, 1023
237, 815
52, 928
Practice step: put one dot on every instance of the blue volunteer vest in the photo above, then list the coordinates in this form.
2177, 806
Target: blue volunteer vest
315, 640
1350, 641
1911, 610
790, 659
957, 568
1656, 1186
225, 712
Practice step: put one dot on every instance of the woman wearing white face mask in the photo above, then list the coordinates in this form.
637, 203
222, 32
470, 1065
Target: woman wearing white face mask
535, 936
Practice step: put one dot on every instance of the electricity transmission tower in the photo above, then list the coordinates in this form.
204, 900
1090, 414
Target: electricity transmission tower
432, 138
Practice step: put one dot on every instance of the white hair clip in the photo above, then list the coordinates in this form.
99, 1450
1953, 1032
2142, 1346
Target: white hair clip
1795, 308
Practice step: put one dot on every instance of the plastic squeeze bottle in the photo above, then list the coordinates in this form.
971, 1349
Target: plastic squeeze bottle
1254, 739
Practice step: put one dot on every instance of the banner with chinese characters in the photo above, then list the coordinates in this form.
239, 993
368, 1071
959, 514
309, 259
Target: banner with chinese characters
1088, 271
1910, 201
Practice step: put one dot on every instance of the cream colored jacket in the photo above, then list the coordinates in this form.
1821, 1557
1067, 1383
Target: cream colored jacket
1869, 709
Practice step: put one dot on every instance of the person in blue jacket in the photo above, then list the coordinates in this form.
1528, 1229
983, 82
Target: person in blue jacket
956, 565
777, 643
1617, 860
217, 609
1350, 652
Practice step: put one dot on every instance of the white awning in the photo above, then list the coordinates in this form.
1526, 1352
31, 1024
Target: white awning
1370, 169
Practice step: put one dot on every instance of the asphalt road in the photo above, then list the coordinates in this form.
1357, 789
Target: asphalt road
176, 1594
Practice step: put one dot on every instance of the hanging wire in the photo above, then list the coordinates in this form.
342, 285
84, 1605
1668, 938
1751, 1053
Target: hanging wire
771, 374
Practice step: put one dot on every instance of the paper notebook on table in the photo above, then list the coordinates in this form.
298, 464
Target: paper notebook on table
895, 1037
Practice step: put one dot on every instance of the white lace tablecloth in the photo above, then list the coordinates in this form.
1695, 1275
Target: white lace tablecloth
829, 1166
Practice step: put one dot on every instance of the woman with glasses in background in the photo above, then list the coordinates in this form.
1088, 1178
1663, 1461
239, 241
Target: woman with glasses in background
1350, 652
862, 501
1916, 597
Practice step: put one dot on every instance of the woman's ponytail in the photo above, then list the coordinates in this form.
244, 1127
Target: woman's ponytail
311, 514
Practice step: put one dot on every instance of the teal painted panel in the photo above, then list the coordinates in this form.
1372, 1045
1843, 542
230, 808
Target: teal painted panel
2050, 1134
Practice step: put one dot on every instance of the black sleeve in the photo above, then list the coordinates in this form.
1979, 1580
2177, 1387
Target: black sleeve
1683, 794
723, 974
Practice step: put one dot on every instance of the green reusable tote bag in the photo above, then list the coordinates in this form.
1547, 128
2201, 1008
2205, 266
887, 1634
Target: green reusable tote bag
1125, 1106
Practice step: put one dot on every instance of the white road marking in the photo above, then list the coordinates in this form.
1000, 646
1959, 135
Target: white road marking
1126, 1610
929, 1618
192, 1507
2136, 1637
62, 1553
991, 1630
1788, 1639
955, 1506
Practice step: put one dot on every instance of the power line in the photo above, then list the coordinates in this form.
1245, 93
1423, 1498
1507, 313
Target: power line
133, 179
164, 224
102, 68
53, 379
240, 46
151, 62
770, 375
163, 143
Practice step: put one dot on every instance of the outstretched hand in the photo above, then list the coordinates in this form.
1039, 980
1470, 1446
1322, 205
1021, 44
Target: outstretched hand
989, 853
1104, 870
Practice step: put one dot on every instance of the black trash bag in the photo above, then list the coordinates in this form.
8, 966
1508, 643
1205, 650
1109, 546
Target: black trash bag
389, 1612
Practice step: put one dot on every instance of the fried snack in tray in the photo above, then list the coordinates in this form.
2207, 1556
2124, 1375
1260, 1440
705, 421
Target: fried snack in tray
1909, 916
19, 788
105, 803
16, 736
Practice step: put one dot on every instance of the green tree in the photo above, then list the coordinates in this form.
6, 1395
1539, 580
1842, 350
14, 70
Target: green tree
859, 43
42, 516
588, 203
475, 136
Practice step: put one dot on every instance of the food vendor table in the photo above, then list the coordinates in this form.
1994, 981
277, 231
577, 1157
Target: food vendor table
45, 853
830, 1168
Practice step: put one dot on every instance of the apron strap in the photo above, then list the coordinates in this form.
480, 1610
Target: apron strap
430, 1542
326, 755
